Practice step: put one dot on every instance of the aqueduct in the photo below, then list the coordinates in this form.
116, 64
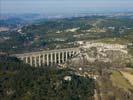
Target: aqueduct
48, 58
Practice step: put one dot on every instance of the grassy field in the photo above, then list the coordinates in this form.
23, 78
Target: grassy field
128, 76
119, 81
114, 41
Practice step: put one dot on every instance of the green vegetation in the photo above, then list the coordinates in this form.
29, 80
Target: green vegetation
53, 34
114, 40
19, 81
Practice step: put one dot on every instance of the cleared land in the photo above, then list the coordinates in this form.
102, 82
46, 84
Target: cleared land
119, 81
128, 76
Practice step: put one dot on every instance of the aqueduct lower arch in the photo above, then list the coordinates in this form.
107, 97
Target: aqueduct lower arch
48, 57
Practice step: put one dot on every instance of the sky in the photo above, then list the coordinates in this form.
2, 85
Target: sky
64, 6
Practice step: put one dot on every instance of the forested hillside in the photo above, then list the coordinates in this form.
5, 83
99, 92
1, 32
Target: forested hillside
19, 81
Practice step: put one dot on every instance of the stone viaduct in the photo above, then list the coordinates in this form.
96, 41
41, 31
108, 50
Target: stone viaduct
48, 58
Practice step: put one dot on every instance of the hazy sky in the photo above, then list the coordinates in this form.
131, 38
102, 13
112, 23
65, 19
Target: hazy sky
64, 6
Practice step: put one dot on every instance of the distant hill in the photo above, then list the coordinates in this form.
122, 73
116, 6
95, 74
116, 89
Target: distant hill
11, 22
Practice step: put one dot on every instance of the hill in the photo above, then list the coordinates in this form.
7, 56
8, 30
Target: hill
19, 81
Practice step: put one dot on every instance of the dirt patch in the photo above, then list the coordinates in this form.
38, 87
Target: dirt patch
128, 76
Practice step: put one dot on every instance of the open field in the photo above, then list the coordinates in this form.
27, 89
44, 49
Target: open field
128, 76
114, 40
128, 70
119, 81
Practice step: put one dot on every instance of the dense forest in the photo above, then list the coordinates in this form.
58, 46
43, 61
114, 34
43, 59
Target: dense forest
19, 81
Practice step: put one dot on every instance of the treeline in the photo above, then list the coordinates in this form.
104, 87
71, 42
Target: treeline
45, 27
20, 81
11, 22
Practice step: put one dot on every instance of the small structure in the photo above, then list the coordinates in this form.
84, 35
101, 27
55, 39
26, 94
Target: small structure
67, 78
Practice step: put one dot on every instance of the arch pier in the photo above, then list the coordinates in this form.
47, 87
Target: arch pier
48, 58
